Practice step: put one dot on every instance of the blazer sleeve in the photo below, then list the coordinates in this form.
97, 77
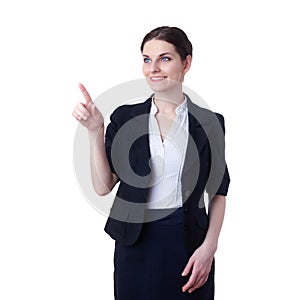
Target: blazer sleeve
219, 179
110, 134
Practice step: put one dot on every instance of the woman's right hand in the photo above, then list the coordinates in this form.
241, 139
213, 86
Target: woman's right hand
87, 113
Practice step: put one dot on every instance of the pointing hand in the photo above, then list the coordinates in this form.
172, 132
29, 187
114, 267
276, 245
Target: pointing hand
87, 113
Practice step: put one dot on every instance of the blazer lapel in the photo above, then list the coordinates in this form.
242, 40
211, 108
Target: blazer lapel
197, 136
140, 150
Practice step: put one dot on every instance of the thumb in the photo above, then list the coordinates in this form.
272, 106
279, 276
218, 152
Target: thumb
85, 93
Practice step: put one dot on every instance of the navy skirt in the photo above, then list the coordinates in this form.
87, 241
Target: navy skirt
151, 268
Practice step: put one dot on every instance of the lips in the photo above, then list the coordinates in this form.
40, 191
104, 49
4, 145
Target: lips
157, 78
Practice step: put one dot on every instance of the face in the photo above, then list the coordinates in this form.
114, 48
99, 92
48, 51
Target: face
163, 67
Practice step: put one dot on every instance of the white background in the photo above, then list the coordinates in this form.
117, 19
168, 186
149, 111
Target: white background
246, 66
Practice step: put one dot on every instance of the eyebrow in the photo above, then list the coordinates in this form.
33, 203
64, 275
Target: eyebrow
160, 55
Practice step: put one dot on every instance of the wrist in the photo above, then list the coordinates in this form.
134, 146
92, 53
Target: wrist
96, 134
97, 130
210, 246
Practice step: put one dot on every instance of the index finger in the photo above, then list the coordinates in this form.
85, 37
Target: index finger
85, 93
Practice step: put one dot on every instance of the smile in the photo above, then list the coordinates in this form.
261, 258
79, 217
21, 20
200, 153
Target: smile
158, 78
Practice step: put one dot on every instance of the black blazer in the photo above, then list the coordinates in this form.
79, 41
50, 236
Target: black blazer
128, 153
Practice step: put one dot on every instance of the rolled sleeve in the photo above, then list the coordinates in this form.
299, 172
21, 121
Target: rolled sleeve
110, 134
219, 179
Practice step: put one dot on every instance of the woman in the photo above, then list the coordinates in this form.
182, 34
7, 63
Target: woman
165, 152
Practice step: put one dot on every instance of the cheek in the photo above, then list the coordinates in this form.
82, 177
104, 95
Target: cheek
145, 69
177, 73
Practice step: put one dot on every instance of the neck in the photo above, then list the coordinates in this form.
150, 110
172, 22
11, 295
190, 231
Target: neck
168, 100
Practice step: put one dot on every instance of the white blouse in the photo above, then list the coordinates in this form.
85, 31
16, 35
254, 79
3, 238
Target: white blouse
167, 159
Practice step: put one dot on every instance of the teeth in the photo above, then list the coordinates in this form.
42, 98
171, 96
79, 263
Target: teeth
157, 78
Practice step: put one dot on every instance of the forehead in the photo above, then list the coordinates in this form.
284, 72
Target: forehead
156, 47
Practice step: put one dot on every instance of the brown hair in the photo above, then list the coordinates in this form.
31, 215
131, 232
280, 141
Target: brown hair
172, 35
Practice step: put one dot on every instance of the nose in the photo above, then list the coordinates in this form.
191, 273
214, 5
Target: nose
154, 67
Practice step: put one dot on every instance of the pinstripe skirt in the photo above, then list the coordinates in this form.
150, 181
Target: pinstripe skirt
151, 268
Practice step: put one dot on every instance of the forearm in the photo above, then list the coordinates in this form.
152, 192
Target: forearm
201, 261
102, 177
216, 212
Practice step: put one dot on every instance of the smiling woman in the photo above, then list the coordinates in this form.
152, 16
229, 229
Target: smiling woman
163, 63
167, 55
165, 240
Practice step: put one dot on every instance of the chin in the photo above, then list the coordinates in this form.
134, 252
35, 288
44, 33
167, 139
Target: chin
162, 86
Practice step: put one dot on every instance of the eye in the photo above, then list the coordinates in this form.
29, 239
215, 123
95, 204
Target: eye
147, 60
165, 59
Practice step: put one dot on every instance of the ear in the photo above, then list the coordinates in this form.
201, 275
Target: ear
187, 64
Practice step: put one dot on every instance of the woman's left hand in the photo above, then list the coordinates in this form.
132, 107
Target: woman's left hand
200, 264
